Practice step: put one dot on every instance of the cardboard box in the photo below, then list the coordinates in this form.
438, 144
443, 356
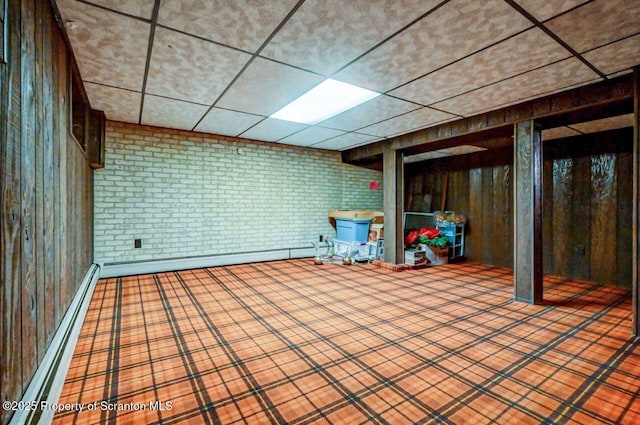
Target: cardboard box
376, 231
413, 257
350, 215
378, 217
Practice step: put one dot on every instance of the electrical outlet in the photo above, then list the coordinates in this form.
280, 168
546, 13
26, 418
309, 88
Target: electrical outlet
579, 249
321, 238
137, 243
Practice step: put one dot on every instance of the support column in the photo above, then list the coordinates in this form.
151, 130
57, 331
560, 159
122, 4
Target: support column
635, 232
393, 183
527, 163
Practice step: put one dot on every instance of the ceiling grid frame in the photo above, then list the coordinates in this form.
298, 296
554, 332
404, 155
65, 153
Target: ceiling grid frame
108, 93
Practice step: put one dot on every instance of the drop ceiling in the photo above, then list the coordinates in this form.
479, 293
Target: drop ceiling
223, 67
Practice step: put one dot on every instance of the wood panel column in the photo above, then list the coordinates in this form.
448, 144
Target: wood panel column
635, 242
393, 183
527, 163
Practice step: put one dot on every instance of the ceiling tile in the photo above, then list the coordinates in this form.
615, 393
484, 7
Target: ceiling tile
463, 56
559, 133
424, 156
204, 68
597, 23
346, 141
163, 112
225, 122
611, 123
448, 34
414, 120
267, 86
506, 59
140, 8
272, 129
371, 112
616, 57
325, 35
110, 48
545, 9
462, 149
441, 153
117, 104
310, 136
605, 124
244, 24
552, 78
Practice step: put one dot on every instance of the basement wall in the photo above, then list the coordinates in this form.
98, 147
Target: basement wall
45, 193
587, 200
188, 194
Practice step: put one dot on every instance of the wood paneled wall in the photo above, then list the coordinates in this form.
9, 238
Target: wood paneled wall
480, 186
587, 211
46, 224
587, 201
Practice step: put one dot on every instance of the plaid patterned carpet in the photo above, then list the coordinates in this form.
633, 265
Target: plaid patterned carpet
290, 342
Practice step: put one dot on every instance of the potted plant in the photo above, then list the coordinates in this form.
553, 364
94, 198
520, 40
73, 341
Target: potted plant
433, 242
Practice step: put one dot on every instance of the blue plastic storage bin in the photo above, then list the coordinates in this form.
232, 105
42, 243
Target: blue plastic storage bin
356, 230
448, 230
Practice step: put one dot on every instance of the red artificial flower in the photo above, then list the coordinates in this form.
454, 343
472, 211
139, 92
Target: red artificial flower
429, 233
411, 237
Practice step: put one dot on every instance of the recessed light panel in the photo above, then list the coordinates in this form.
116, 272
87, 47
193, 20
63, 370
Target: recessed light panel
327, 99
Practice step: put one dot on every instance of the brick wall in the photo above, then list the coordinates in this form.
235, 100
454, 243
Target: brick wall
189, 194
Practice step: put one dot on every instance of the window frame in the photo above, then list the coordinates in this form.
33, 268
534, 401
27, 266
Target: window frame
4, 28
78, 108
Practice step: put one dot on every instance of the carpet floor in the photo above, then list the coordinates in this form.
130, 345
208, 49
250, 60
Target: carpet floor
287, 342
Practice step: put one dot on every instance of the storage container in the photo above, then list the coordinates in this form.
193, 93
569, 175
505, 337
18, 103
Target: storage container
414, 257
455, 234
344, 249
437, 256
352, 230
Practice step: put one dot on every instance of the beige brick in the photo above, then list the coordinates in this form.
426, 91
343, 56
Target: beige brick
188, 194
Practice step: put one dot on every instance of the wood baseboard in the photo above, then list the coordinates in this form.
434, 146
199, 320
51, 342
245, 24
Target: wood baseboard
45, 387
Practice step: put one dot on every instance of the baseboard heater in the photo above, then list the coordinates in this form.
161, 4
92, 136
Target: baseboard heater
174, 264
46, 385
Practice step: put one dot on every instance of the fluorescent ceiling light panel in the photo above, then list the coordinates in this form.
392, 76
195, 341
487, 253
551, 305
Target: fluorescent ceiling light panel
325, 100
